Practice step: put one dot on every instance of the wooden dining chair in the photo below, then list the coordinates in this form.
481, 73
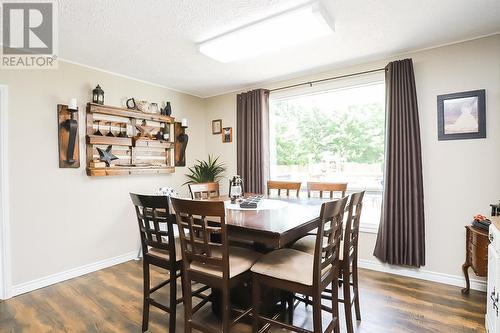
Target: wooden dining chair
349, 262
161, 249
204, 190
348, 258
216, 265
330, 188
298, 272
283, 185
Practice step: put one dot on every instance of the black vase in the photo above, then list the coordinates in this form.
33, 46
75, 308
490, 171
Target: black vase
167, 110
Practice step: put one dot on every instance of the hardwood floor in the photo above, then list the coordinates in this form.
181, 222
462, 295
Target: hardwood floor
110, 301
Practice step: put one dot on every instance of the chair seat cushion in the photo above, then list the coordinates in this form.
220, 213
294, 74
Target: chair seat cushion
306, 244
287, 264
164, 254
240, 261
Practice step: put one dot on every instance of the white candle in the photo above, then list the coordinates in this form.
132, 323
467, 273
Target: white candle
184, 122
73, 104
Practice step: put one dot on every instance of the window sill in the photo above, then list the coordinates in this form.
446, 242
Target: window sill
369, 228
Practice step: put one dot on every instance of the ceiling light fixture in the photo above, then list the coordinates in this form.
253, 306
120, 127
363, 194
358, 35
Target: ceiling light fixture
292, 27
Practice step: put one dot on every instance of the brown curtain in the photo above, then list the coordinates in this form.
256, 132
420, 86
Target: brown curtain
252, 138
401, 234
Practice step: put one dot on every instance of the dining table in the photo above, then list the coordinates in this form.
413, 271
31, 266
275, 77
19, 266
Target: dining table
275, 223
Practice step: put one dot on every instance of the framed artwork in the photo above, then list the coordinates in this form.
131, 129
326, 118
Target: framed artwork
227, 134
462, 115
217, 126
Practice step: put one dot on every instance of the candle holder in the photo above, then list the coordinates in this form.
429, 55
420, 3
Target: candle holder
69, 154
181, 141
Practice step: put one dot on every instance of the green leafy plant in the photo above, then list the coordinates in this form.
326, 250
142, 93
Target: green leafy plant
206, 171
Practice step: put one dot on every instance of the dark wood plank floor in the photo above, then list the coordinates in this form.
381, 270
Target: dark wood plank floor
110, 301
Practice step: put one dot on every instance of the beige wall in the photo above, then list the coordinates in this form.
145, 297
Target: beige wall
222, 107
461, 178
61, 219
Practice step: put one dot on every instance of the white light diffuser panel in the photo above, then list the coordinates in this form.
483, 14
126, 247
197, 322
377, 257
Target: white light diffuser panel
292, 27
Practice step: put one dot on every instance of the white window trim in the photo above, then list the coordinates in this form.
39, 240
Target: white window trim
369, 228
360, 80
5, 264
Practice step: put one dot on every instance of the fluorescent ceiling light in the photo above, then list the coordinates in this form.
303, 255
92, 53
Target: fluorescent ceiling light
292, 27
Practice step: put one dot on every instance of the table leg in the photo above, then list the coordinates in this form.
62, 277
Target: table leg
465, 269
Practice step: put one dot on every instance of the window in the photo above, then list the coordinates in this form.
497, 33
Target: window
332, 134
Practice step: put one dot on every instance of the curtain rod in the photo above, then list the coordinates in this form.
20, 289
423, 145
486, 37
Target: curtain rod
310, 83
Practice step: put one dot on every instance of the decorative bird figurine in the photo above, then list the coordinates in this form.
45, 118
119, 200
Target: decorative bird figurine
106, 156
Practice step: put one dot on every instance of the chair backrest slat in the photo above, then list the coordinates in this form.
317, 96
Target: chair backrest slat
328, 237
155, 223
351, 233
283, 185
198, 222
330, 188
204, 190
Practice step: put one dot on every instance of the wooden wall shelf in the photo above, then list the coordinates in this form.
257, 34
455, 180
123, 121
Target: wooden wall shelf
106, 140
137, 154
122, 112
125, 171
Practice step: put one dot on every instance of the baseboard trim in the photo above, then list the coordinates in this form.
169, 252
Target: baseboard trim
71, 273
454, 280
373, 265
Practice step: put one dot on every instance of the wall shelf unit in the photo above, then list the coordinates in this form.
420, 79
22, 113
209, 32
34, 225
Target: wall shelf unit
133, 136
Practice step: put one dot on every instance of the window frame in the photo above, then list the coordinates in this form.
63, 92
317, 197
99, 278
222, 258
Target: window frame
335, 85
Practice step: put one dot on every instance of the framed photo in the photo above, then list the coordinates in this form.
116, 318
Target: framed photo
227, 134
462, 115
217, 126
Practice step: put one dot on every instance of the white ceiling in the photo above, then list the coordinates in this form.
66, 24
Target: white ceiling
155, 40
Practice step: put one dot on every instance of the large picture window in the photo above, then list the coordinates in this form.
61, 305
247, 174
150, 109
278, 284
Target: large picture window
332, 135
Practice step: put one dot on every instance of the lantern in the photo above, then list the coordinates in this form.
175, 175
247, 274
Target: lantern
98, 95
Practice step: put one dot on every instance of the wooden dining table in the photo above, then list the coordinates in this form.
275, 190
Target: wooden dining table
274, 227
268, 228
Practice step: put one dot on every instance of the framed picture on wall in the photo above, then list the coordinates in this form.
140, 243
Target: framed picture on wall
462, 115
217, 126
227, 134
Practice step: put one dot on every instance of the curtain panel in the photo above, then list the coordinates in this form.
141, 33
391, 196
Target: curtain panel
401, 234
252, 109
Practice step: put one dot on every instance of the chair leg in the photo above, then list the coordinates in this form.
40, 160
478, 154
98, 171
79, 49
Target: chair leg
226, 311
146, 295
335, 305
347, 301
317, 323
290, 307
356, 290
173, 300
188, 302
256, 305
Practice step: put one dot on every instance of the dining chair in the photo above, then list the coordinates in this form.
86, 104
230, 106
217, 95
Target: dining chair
283, 185
298, 272
216, 265
204, 190
330, 188
161, 249
348, 258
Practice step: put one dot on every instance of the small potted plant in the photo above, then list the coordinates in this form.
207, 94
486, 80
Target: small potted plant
206, 171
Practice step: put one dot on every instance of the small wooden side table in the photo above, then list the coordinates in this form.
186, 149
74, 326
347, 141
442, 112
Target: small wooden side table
476, 254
